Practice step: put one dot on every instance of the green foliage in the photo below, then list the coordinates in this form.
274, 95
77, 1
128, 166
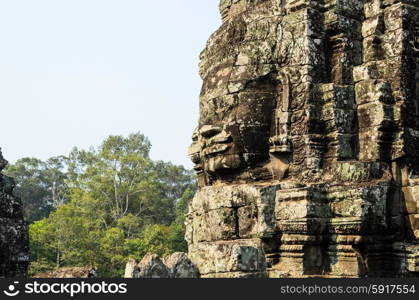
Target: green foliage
177, 238
120, 204
112, 252
131, 225
182, 205
42, 250
41, 185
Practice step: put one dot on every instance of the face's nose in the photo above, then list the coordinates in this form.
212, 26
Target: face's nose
208, 131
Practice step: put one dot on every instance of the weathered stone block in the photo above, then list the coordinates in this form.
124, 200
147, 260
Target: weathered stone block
300, 204
411, 197
151, 266
370, 148
338, 96
14, 239
359, 208
215, 225
373, 91
351, 9
175, 265
413, 258
360, 171
374, 114
372, 8
372, 26
210, 198
344, 261
228, 256
370, 70
247, 221
131, 269
220, 207
181, 266
399, 16
414, 224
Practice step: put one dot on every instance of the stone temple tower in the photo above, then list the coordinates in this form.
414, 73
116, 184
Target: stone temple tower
307, 146
14, 244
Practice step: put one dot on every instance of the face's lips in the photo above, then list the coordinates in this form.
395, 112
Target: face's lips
216, 144
211, 150
220, 139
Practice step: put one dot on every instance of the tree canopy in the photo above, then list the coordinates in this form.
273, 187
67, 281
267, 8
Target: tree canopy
101, 206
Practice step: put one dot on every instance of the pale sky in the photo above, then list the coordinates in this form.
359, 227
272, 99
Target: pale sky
73, 72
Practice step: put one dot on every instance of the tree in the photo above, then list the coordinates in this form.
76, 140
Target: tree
42, 247
41, 185
55, 178
172, 183
113, 253
118, 173
120, 204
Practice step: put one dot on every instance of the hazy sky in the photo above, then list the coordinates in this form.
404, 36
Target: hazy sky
73, 72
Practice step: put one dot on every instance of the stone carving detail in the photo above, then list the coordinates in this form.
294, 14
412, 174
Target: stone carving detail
176, 265
306, 149
14, 254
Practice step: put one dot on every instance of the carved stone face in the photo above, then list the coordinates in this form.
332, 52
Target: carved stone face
234, 130
239, 97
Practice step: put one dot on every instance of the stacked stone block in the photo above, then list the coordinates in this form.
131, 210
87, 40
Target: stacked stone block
307, 143
14, 248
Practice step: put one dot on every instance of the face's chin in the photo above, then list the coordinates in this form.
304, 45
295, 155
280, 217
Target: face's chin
222, 162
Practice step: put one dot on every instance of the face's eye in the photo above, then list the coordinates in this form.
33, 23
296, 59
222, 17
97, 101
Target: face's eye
208, 131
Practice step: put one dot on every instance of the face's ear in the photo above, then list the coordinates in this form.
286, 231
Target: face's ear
280, 142
286, 92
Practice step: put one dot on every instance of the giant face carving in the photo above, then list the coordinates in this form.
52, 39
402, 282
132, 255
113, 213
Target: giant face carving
244, 104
